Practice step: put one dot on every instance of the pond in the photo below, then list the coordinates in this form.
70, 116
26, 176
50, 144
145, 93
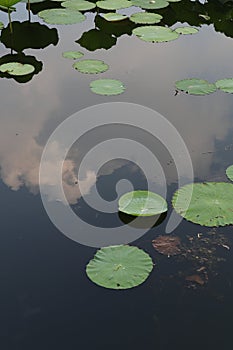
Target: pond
47, 299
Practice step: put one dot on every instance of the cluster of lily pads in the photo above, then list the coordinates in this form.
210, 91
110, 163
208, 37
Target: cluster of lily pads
207, 204
203, 87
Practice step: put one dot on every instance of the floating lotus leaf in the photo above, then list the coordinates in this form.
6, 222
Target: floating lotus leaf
229, 172
16, 68
79, 5
61, 16
91, 66
186, 30
150, 4
1, 25
155, 34
107, 87
8, 3
119, 267
195, 86
145, 18
73, 55
142, 203
113, 16
225, 85
113, 4
211, 203
167, 245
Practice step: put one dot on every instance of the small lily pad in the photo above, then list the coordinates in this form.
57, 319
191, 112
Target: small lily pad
142, 203
73, 55
16, 68
113, 4
229, 172
113, 16
79, 5
195, 86
155, 34
61, 16
145, 18
210, 204
119, 267
150, 4
225, 85
186, 30
107, 87
91, 66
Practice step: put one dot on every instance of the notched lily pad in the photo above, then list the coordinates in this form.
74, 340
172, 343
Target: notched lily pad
73, 55
186, 30
61, 16
195, 86
167, 245
79, 5
150, 4
229, 172
113, 17
113, 4
91, 66
155, 34
107, 87
145, 18
119, 267
142, 203
225, 85
16, 68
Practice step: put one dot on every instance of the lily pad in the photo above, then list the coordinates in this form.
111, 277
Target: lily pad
79, 5
195, 86
186, 30
119, 267
8, 3
91, 66
155, 34
210, 205
167, 245
61, 16
107, 87
150, 4
73, 55
142, 203
1, 25
145, 18
229, 172
113, 4
16, 68
113, 16
225, 85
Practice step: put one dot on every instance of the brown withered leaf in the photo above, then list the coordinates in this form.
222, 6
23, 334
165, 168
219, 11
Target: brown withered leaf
167, 245
195, 278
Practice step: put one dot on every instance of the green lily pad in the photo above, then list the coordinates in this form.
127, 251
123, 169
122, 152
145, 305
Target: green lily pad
61, 16
91, 66
73, 55
186, 30
150, 4
211, 203
225, 85
16, 68
1, 25
142, 203
107, 87
113, 16
229, 172
79, 5
155, 34
8, 3
113, 4
195, 86
145, 18
119, 267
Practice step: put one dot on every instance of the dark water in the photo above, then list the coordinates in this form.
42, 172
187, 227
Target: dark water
46, 300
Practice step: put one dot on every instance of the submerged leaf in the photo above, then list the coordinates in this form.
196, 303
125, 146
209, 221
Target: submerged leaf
167, 245
155, 34
145, 18
113, 16
195, 86
79, 5
142, 203
16, 68
73, 55
61, 16
195, 278
150, 4
91, 66
119, 267
229, 172
225, 85
186, 30
210, 205
107, 87
113, 4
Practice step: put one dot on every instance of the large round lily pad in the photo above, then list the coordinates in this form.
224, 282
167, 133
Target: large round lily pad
107, 87
225, 85
8, 3
211, 203
186, 30
73, 55
155, 34
195, 86
91, 66
16, 68
119, 267
145, 18
142, 203
113, 17
61, 16
150, 4
113, 4
79, 5
229, 172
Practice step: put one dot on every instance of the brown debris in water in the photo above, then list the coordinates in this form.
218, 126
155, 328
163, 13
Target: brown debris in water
167, 245
195, 278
